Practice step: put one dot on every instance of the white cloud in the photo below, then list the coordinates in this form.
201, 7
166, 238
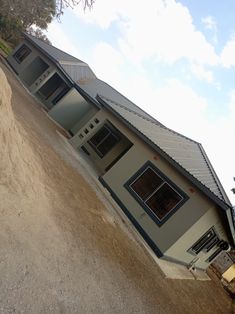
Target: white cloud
228, 54
155, 28
60, 39
210, 24
107, 62
201, 73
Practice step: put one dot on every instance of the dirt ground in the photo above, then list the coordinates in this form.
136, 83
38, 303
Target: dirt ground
59, 250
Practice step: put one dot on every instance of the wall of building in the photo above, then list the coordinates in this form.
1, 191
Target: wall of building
87, 131
22, 68
175, 236
71, 110
179, 249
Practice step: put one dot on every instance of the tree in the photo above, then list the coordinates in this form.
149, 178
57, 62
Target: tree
29, 12
61, 5
18, 16
37, 32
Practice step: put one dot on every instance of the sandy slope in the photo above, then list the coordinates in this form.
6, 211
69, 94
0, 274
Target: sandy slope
59, 251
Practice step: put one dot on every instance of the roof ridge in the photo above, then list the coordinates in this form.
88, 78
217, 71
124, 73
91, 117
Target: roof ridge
152, 121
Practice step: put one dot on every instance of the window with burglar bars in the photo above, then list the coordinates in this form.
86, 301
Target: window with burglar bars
22, 53
155, 193
205, 243
104, 140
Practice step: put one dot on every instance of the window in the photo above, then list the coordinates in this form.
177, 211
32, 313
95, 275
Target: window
205, 243
22, 53
157, 195
104, 140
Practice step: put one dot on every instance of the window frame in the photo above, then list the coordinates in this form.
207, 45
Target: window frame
112, 131
166, 180
18, 50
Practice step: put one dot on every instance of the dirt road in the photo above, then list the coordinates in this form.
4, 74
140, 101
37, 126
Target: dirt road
60, 251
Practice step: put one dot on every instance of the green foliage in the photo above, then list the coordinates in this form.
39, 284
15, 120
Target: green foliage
5, 48
32, 16
19, 15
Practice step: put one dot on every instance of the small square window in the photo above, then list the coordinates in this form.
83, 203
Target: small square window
104, 140
86, 131
81, 136
22, 53
96, 121
155, 193
91, 126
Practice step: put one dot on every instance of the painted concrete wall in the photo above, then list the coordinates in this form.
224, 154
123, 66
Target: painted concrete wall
43, 78
186, 225
77, 142
71, 110
21, 67
179, 249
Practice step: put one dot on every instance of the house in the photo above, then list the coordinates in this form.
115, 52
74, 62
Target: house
162, 180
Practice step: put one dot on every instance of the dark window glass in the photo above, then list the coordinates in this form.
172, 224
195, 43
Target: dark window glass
22, 53
108, 143
163, 201
205, 243
104, 140
99, 136
155, 193
146, 184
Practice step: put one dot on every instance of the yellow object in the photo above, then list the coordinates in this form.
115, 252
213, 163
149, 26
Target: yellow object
229, 274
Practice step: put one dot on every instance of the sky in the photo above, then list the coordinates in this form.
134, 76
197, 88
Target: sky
174, 59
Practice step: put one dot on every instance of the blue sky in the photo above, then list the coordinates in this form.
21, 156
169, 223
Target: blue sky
174, 59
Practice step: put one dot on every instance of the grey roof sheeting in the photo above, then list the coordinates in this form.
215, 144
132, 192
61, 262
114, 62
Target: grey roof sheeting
74, 68
187, 155
78, 72
184, 151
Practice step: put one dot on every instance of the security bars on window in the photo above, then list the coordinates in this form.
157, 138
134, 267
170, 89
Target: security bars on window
155, 193
205, 243
22, 53
104, 140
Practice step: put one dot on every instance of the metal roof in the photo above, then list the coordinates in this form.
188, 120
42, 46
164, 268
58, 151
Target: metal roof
78, 72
